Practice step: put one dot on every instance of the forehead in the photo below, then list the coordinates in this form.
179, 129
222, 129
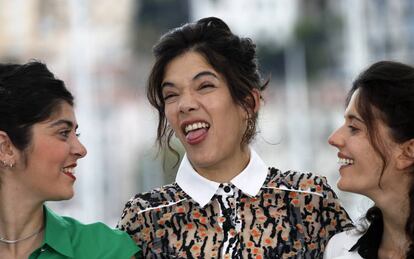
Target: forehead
352, 105
62, 110
185, 66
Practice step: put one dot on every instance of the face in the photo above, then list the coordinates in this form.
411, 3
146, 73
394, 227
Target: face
360, 166
51, 157
202, 113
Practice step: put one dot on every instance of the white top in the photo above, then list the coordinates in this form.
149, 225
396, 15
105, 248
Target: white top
339, 245
200, 189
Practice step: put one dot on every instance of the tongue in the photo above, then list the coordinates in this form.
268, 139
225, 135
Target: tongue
192, 135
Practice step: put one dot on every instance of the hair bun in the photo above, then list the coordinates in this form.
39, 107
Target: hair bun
213, 22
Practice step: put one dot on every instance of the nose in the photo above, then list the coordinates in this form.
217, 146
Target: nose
335, 138
79, 149
188, 102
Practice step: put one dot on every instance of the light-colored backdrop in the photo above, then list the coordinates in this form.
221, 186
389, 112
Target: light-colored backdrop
102, 50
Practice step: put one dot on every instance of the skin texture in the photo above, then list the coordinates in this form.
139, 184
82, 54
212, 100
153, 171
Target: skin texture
36, 177
352, 141
195, 92
389, 191
54, 146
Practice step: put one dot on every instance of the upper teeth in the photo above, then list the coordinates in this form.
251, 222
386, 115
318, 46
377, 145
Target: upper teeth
345, 161
68, 170
197, 125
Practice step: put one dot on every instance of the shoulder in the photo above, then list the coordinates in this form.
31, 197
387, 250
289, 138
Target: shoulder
98, 232
98, 228
97, 239
304, 182
166, 195
341, 243
313, 197
143, 209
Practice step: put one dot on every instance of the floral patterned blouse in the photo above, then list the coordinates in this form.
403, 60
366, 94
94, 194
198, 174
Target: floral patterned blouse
262, 213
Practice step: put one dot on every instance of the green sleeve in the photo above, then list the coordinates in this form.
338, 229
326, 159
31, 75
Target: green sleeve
112, 243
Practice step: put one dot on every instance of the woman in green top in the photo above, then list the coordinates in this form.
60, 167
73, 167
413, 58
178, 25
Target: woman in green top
39, 149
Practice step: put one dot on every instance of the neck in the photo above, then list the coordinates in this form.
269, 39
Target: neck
20, 217
228, 168
394, 205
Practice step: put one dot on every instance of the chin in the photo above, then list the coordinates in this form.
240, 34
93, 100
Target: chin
63, 196
343, 186
349, 187
201, 160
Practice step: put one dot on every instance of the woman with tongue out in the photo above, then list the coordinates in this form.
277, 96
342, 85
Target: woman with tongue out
39, 150
226, 202
376, 154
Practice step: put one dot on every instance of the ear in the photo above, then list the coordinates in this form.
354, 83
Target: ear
406, 158
7, 152
257, 98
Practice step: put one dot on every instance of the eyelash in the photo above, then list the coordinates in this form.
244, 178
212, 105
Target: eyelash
203, 86
168, 96
206, 86
353, 129
65, 133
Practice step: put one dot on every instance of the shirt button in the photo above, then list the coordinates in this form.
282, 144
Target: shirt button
227, 189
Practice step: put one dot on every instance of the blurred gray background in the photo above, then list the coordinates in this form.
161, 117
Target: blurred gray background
311, 49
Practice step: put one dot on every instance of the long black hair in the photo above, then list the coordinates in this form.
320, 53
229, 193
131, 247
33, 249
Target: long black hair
386, 92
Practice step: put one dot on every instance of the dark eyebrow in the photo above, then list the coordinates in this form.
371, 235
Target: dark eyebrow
63, 121
204, 73
201, 74
354, 117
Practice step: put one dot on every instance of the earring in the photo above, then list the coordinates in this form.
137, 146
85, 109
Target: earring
8, 164
250, 126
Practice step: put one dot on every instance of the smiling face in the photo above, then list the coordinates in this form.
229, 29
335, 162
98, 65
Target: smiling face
202, 113
360, 166
47, 167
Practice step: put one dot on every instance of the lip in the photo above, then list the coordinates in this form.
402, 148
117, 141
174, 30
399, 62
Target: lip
341, 155
72, 176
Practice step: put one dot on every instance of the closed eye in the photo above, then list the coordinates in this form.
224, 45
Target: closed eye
206, 87
169, 96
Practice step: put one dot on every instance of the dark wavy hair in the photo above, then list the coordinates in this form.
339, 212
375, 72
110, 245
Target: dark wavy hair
386, 93
232, 56
29, 94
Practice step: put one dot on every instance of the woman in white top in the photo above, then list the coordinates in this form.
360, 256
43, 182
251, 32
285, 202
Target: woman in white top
376, 154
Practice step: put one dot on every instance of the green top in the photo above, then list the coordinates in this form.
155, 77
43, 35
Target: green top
66, 237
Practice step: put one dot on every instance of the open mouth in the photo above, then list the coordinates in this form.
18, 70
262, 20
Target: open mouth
345, 161
69, 171
196, 132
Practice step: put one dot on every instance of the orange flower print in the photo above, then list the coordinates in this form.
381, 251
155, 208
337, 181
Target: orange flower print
160, 233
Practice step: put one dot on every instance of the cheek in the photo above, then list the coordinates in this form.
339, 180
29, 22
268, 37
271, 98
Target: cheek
171, 118
235, 120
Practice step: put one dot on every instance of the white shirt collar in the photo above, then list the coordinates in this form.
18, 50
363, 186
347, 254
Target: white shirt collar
202, 190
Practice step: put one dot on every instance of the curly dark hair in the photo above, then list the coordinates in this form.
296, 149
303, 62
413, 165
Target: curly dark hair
232, 56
